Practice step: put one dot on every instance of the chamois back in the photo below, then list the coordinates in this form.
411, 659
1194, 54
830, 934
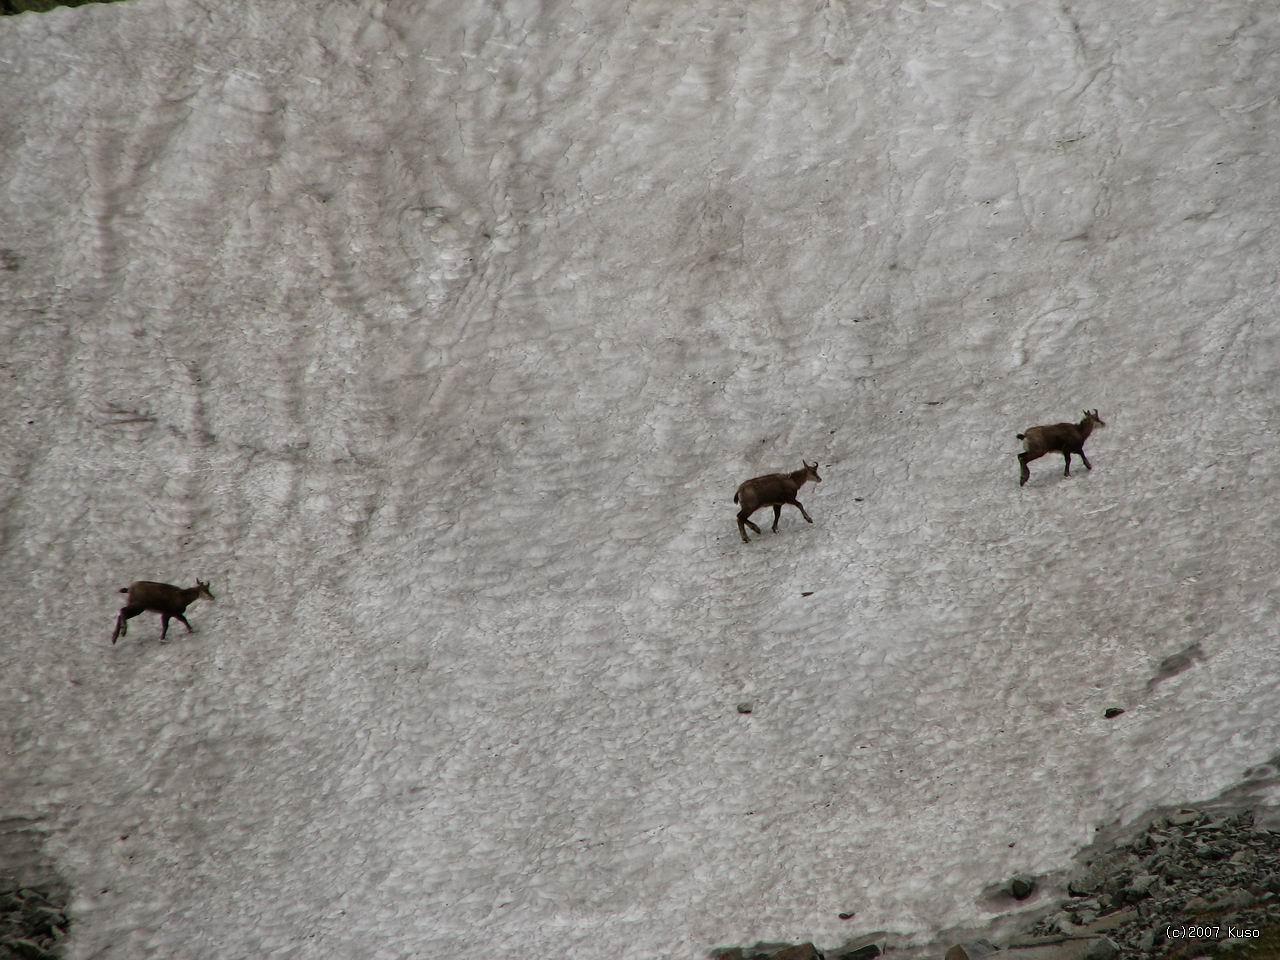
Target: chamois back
163, 598
773, 490
1064, 438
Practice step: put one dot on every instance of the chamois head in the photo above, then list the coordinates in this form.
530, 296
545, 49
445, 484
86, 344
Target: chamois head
1092, 419
810, 471
202, 588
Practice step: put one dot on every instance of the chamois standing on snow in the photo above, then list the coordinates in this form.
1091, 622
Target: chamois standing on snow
1065, 438
162, 598
773, 490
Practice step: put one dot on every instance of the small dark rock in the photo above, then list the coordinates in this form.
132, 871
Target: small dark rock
1020, 886
1112, 712
868, 952
746, 706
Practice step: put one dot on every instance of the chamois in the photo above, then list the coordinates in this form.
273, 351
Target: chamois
773, 490
1066, 438
162, 598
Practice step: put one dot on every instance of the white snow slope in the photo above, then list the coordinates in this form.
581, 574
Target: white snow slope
438, 337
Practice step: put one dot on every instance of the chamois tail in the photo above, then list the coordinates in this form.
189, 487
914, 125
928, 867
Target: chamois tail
735, 498
123, 590
1022, 436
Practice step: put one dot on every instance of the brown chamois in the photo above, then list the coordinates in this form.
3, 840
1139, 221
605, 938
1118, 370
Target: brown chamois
162, 598
773, 490
1065, 438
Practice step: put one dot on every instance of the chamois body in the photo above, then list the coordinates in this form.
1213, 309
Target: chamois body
773, 490
162, 598
1064, 438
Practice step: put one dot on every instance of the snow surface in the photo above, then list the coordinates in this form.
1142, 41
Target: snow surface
437, 337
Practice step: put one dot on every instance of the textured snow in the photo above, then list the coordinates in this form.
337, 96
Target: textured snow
437, 337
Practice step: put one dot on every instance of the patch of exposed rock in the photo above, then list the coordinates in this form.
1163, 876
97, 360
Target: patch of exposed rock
1190, 884
33, 900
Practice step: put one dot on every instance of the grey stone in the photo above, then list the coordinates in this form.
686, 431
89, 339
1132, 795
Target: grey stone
1104, 948
1234, 900
971, 950
1082, 884
1109, 922
1064, 923
1139, 887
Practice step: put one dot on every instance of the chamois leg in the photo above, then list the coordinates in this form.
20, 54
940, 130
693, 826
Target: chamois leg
1023, 460
1080, 454
777, 512
122, 621
164, 624
1066, 455
742, 519
182, 620
803, 512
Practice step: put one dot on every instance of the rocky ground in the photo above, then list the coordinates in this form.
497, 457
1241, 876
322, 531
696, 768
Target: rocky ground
1187, 884
33, 924
33, 898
